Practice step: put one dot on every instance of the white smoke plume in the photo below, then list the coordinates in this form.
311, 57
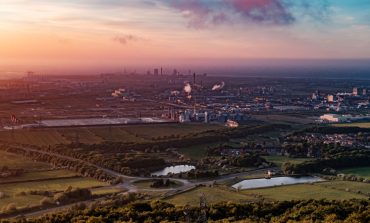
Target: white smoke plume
218, 87
187, 88
175, 93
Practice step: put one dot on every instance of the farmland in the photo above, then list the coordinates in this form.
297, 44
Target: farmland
360, 171
14, 161
286, 119
17, 193
196, 152
37, 177
332, 190
91, 135
106, 191
212, 194
40, 175
355, 124
354, 187
279, 160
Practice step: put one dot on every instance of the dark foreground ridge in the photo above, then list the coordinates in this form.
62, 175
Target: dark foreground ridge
157, 211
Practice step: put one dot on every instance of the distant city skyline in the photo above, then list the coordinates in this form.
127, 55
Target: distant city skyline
87, 35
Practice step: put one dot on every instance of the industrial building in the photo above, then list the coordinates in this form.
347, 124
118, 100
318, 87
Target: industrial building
342, 118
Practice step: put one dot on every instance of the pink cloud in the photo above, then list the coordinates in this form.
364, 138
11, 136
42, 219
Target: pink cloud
195, 11
262, 11
203, 13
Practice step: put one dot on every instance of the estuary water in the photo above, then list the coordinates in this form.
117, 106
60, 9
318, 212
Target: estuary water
276, 181
174, 170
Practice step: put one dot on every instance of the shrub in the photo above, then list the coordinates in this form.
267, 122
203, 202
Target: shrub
2, 195
46, 201
10, 208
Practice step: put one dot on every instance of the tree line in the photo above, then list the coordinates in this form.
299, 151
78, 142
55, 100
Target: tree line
159, 211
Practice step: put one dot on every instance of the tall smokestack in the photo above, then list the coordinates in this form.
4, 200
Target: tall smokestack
193, 79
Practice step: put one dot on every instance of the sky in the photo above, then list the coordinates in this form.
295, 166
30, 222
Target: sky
89, 35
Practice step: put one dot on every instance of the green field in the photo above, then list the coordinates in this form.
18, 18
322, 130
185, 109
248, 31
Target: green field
42, 137
51, 185
106, 191
279, 160
332, 190
14, 161
40, 175
149, 131
21, 201
343, 185
12, 191
213, 195
361, 172
91, 135
355, 124
116, 134
197, 152
83, 135
285, 119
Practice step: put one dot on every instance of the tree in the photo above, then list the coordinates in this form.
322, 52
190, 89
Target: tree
46, 201
10, 208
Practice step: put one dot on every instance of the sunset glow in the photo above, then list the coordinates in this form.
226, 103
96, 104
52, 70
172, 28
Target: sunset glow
50, 35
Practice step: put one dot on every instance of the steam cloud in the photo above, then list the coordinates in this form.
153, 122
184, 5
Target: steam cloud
187, 88
218, 87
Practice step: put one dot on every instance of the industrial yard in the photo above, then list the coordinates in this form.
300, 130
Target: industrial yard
112, 139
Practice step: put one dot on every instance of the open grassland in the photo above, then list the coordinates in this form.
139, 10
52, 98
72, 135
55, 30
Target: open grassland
21, 201
197, 152
106, 191
213, 195
12, 191
355, 124
347, 185
116, 134
151, 132
92, 135
82, 135
302, 191
14, 161
51, 185
279, 160
332, 190
39, 137
360, 171
40, 175
285, 119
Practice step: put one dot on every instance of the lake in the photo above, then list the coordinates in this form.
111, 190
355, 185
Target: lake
174, 170
276, 181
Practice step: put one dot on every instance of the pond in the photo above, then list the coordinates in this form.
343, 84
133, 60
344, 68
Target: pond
174, 170
276, 181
